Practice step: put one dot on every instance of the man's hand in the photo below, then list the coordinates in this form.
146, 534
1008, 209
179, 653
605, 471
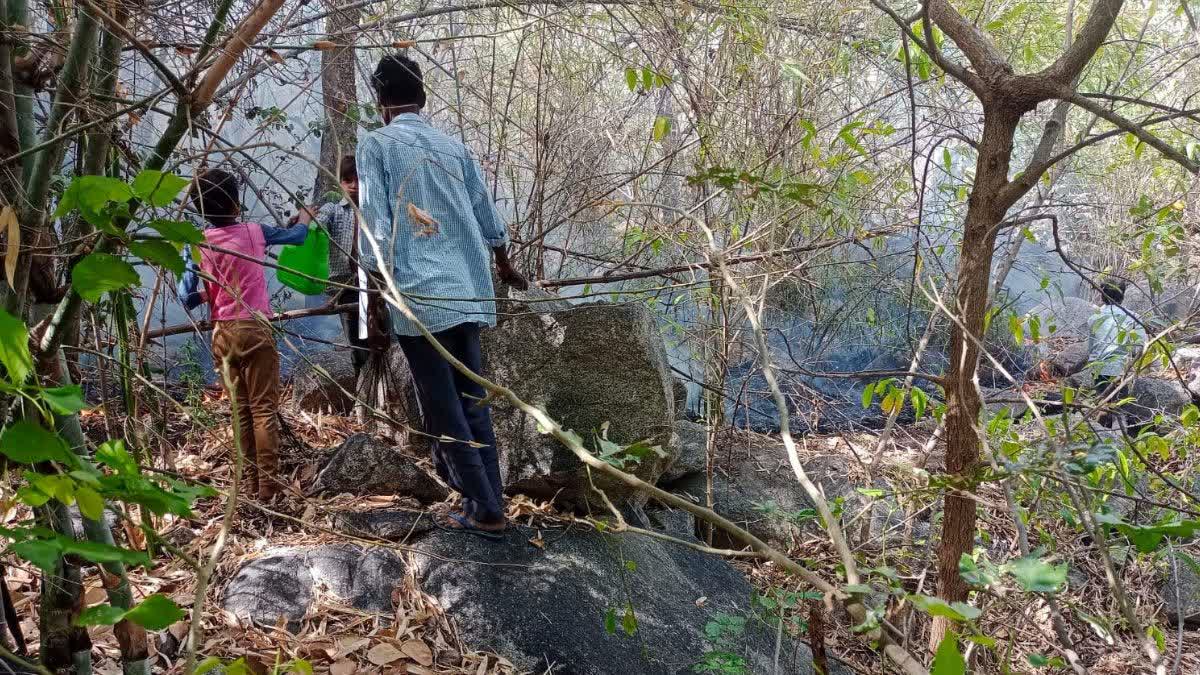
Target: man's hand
506, 272
305, 216
512, 277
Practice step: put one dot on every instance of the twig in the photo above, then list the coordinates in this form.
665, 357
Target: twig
205, 574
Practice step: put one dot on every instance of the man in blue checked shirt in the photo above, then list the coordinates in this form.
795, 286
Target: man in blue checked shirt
426, 205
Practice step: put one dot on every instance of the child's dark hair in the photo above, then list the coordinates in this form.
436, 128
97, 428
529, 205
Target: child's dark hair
347, 168
214, 195
397, 81
1112, 292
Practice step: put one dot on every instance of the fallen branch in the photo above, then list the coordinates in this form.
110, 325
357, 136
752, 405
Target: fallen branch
204, 326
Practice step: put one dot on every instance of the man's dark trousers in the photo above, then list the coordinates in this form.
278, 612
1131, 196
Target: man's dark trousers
449, 408
359, 349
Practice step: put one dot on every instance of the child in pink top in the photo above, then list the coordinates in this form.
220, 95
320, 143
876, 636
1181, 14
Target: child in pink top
235, 288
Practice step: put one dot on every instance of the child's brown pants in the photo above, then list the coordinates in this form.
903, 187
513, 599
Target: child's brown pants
254, 369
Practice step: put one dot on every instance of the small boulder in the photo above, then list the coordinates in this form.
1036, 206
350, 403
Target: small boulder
324, 382
549, 604
693, 452
287, 582
363, 465
589, 367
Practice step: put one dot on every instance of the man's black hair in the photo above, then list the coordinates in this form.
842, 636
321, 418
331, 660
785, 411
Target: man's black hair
397, 81
214, 195
347, 168
1112, 292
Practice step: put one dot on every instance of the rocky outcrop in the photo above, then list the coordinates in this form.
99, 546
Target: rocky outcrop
364, 465
564, 603
287, 582
597, 368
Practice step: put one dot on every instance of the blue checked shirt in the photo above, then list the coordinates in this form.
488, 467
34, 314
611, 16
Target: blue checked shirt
423, 197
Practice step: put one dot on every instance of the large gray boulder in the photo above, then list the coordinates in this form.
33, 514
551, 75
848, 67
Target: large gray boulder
545, 607
364, 465
589, 367
1065, 334
285, 583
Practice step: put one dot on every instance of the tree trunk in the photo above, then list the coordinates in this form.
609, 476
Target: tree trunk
339, 91
963, 403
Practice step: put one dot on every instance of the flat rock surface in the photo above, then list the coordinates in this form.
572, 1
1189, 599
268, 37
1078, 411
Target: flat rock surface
286, 582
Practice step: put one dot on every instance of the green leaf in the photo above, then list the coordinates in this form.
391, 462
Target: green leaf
158, 252
156, 612
1017, 328
28, 443
631, 81
41, 552
114, 455
103, 553
14, 348
981, 575
868, 395
177, 230
100, 615
846, 134
919, 400
1147, 538
92, 195
1189, 416
958, 611
298, 666
64, 400
91, 504
158, 188
629, 622
610, 621
948, 660
647, 79
99, 273
662, 127
1038, 576
207, 666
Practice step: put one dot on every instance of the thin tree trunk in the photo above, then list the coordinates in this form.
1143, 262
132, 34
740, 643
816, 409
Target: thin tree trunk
339, 91
963, 403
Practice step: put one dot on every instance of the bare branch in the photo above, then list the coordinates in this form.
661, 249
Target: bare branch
1132, 127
